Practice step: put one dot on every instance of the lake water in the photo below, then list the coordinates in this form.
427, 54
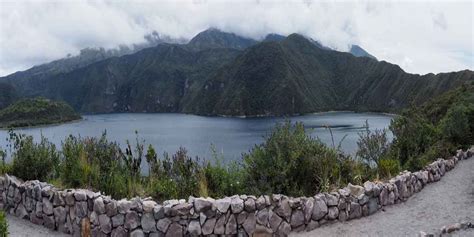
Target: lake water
230, 136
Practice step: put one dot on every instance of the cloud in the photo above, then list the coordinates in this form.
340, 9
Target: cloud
422, 37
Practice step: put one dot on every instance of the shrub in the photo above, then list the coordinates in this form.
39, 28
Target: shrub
3, 225
33, 160
455, 125
388, 167
372, 146
290, 162
222, 180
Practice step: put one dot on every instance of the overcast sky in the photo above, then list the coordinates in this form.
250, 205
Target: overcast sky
421, 37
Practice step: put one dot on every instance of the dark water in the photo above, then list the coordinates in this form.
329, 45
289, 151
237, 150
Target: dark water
230, 136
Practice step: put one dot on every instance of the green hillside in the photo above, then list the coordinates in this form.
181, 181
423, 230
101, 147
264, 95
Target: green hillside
37, 111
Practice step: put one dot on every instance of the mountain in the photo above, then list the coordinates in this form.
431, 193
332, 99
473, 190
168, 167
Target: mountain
220, 73
357, 51
274, 37
214, 38
295, 76
28, 79
7, 94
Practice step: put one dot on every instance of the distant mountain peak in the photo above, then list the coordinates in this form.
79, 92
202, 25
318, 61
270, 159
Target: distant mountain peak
274, 37
215, 38
357, 51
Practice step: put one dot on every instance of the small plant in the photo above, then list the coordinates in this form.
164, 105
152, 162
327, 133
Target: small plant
3, 225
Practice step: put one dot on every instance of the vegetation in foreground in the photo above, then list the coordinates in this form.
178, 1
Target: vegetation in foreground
36, 111
3, 225
289, 161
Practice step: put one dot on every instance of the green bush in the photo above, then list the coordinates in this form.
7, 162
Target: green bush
3, 225
290, 162
388, 167
33, 160
455, 125
222, 180
372, 146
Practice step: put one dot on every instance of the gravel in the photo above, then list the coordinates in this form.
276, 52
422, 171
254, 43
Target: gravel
451, 200
23, 228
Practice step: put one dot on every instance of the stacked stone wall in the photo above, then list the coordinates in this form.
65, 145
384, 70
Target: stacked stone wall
83, 212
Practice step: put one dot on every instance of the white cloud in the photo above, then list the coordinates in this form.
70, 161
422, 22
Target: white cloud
422, 37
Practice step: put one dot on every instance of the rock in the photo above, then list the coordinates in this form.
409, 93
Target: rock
274, 221
119, 232
123, 206
148, 206
137, 233
194, 228
284, 229
383, 197
372, 205
80, 195
202, 205
453, 228
163, 224
47, 207
365, 210
262, 231
250, 224
70, 200
241, 217
99, 205
21, 212
58, 199
262, 217
283, 209
312, 225
297, 218
111, 208
158, 212
148, 222
175, 230
219, 228
231, 226
132, 220
369, 188
355, 190
333, 213
237, 205
223, 204
48, 222
208, 226
118, 220
391, 198
363, 199
249, 205
308, 206
332, 200
105, 223
342, 216
60, 215
320, 209
81, 209
355, 211
260, 203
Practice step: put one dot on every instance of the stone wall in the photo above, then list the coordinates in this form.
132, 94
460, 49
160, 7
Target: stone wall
85, 212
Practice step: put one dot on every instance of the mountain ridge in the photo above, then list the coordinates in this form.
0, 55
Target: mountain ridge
290, 76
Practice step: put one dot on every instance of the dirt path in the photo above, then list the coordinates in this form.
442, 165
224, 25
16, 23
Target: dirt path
446, 202
23, 228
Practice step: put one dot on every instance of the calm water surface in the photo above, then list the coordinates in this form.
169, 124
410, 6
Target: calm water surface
230, 136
